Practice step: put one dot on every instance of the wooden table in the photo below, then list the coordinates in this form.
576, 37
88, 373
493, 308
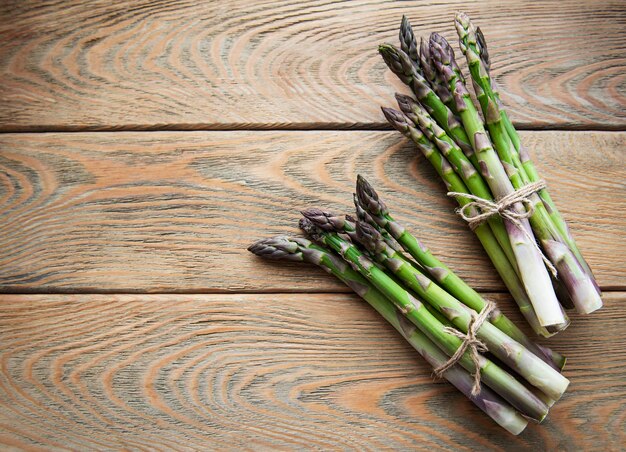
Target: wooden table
144, 145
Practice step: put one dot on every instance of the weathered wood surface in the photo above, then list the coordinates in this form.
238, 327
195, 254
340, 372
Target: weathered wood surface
174, 211
241, 64
268, 372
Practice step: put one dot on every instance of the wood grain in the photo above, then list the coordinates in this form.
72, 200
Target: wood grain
267, 372
289, 64
174, 212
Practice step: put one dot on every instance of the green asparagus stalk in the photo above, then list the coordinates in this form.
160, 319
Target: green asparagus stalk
298, 249
533, 272
492, 375
578, 282
401, 65
453, 182
465, 28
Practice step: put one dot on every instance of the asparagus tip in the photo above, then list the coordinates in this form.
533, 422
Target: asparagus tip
309, 228
407, 39
407, 104
481, 42
462, 19
405, 28
397, 119
368, 236
279, 248
368, 198
324, 219
398, 61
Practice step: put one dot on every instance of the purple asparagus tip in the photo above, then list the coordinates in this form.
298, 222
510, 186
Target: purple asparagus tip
368, 236
407, 104
398, 61
442, 55
325, 220
310, 229
408, 43
368, 198
397, 119
482, 48
279, 248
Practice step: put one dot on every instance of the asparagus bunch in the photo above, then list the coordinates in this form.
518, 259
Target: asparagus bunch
431, 306
549, 225
485, 161
302, 250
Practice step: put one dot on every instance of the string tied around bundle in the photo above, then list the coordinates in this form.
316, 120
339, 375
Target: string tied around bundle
470, 343
479, 210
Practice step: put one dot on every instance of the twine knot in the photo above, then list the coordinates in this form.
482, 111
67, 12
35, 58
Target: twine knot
471, 342
479, 210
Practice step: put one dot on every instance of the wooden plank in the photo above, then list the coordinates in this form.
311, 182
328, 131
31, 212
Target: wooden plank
174, 211
267, 372
241, 64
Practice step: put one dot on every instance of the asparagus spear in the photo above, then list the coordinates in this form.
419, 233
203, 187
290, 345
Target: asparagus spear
499, 259
578, 282
533, 272
401, 65
298, 249
492, 375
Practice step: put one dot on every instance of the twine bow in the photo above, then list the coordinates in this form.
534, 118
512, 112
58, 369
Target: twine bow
479, 210
471, 342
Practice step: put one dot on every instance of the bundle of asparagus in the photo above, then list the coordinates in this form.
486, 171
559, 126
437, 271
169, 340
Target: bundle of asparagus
490, 174
443, 318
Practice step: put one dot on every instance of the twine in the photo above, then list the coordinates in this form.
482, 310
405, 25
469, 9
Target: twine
479, 210
471, 342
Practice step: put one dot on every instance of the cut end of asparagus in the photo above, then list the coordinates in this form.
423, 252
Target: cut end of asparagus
325, 220
505, 417
369, 199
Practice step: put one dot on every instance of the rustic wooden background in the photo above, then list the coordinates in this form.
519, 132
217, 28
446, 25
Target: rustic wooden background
143, 145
